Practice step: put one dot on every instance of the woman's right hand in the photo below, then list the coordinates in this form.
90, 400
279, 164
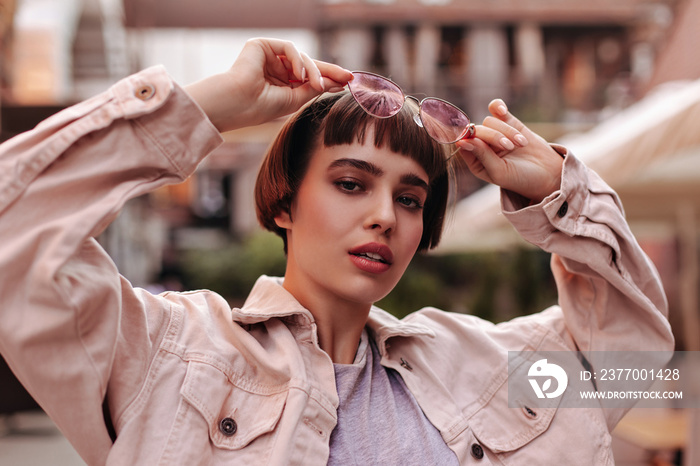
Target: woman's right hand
269, 79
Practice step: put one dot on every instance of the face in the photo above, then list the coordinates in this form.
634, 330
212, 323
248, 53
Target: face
355, 224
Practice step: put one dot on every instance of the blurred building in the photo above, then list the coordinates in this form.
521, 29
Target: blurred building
552, 60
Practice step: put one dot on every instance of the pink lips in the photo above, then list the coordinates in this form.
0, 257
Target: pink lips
372, 257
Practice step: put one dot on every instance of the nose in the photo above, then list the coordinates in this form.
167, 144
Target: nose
382, 215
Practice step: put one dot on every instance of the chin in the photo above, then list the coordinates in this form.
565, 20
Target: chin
367, 293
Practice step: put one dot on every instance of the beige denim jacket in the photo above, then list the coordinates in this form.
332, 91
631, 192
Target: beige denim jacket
191, 382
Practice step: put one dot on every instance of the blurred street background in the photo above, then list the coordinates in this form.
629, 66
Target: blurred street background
617, 82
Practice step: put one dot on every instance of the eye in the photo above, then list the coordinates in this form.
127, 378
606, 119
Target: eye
410, 202
348, 185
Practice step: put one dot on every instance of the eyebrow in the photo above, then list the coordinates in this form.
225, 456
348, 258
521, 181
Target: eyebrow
363, 165
410, 179
415, 180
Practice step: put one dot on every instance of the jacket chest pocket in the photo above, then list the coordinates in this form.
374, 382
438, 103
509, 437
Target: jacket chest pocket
236, 410
528, 434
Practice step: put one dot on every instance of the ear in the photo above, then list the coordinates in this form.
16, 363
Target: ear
284, 220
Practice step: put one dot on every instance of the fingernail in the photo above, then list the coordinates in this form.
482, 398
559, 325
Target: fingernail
335, 89
520, 139
320, 79
468, 146
502, 110
303, 75
507, 144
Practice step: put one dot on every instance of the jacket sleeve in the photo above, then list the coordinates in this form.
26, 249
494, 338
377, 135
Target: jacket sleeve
61, 297
609, 291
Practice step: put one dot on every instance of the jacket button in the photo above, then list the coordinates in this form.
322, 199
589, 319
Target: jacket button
530, 412
228, 426
563, 209
145, 92
477, 451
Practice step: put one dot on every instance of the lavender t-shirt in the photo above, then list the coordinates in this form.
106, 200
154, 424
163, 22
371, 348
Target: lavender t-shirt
379, 421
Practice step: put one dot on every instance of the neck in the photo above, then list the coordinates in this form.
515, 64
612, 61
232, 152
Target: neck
339, 322
339, 334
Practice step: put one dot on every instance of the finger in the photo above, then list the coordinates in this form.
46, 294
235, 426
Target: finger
499, 109
506, 130
483, 153
292, 54
333, 75
287, 76
280, 72
474, 165
496, 139
325, 76
313, 73
284, 62
302, 67
288, 67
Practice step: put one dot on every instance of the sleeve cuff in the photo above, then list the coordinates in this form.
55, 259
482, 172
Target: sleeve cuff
558, 211
174, 122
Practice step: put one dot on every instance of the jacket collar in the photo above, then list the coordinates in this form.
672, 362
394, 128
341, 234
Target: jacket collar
385, 326
269, 299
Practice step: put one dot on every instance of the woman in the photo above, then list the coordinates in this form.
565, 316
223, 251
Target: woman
307, 371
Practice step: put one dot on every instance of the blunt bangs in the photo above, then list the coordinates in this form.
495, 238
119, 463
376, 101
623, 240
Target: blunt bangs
347, 123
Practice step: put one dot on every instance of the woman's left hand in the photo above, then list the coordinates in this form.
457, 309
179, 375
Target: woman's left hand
507, 153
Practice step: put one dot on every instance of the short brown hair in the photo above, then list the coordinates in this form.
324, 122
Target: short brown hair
335, 119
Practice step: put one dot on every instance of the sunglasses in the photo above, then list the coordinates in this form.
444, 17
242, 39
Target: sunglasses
383, 98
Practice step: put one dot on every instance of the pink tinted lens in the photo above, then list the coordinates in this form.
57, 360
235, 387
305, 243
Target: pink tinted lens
376, 95
443, 121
